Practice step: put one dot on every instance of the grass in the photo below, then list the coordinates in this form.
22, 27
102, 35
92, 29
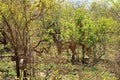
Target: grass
67, 71
55, 67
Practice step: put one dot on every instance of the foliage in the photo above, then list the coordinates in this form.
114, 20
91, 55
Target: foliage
29, 25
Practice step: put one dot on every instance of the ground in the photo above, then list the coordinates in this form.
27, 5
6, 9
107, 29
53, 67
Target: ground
54, 67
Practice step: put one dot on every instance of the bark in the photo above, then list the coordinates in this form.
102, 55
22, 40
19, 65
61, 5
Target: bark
25, 65
17, 63
83, 53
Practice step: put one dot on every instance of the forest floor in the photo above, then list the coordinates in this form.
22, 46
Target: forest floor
53, 67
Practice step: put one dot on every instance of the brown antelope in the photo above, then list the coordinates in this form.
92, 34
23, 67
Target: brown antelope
71, 45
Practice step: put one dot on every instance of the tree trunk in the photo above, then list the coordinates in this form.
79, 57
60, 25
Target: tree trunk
17, 63
25, 75
25, 64
83, 53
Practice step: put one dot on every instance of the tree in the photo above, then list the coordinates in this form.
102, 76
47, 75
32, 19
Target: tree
25, 24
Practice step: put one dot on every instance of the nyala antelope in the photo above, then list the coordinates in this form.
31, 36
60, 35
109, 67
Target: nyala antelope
72, 46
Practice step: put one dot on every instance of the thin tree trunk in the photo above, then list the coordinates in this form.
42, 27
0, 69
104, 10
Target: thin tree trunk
83, 53
17, 63
25, 65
